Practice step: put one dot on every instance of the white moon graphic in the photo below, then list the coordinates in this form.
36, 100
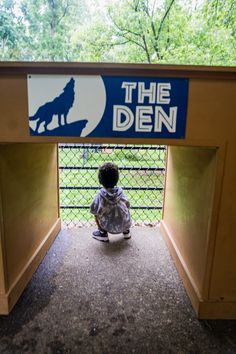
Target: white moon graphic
89, 102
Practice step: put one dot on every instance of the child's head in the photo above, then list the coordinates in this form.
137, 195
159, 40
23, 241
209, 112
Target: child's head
108, 175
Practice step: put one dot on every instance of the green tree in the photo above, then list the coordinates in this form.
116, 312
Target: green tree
50, 25
206, 38
151, 31
132, 31
11, 31
171, 31
216, 34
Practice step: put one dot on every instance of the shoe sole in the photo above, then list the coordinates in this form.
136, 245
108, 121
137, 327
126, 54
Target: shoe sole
127, 237
100, 238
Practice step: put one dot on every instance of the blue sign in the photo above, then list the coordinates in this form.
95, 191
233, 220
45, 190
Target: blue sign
107, 106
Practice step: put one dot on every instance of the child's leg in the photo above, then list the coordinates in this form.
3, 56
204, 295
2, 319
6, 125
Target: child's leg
98, 224
100, 234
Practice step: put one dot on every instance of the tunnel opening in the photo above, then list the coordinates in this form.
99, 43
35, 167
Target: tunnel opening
142, 177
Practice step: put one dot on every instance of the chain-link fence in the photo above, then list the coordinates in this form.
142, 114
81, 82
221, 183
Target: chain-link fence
142, 170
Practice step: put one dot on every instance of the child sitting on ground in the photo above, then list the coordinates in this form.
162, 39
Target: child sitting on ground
110, 206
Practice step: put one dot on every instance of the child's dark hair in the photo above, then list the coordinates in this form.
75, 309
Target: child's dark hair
108, 175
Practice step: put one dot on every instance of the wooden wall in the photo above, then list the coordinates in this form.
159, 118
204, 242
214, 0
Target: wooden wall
190, 185
29, 212
205, 254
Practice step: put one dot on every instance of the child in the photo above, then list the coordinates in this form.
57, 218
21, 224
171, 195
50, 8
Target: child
110, 206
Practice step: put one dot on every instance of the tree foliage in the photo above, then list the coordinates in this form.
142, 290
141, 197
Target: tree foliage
151, 31
49, 25
11, 31
168, 31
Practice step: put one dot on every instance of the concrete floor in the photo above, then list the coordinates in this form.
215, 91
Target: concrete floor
121, 297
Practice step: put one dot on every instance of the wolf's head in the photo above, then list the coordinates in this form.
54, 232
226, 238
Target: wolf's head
70, 85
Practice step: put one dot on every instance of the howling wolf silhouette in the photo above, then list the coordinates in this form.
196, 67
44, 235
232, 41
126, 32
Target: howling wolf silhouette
59, 106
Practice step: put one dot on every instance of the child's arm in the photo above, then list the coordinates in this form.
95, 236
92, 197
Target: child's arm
127, 203
95, 205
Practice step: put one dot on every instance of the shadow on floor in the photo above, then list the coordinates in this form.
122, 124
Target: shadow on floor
121, 297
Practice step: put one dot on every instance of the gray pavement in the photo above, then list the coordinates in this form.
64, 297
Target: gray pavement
121, 297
